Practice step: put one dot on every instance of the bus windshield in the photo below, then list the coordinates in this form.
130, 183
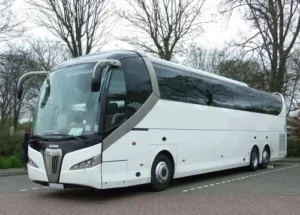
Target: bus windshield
66, 104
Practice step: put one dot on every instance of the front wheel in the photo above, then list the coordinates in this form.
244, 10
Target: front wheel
161, 173
254, 159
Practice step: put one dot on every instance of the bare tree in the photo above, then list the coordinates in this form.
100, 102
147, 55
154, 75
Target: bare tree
40, 55
204, 58
81, 24
164, 23
275, 25
9, 25
225, 63
46, 55
291, 84
12, 66
247, 71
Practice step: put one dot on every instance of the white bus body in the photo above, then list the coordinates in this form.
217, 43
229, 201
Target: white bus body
185, 126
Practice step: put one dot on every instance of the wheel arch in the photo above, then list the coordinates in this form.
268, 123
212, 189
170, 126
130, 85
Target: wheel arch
167, 153
259, 155
267, 146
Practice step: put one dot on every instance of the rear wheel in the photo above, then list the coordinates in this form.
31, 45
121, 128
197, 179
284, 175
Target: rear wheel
161, 173
254, 159
265, 158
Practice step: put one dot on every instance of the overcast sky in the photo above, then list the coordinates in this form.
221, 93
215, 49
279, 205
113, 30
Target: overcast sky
216, 33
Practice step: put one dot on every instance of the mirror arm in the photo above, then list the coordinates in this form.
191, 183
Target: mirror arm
111, 62
98, 68
25, 77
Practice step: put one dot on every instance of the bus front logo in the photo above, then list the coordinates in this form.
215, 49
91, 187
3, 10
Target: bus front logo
53, 146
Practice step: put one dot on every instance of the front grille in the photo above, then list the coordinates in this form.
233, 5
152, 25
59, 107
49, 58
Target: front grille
53, 159
54, 164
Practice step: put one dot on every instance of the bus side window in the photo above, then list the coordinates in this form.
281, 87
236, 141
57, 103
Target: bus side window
256, 105
115, 101
221, 94
241, 99
138, 84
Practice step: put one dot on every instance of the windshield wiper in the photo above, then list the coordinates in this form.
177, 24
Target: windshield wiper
67, 135
38, 137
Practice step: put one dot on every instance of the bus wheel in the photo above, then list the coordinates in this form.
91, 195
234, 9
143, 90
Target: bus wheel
254, 159
265, 158
161, 173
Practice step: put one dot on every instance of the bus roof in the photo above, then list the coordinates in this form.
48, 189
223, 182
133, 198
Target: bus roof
190, 69
119, 54
116, 54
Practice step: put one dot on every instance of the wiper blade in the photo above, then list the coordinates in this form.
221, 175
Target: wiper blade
67, 135
38, 137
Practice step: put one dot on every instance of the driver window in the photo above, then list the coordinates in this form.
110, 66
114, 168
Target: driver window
115, 101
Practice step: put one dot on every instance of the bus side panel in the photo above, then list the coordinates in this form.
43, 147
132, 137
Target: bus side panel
201, 131
139, 165
195, 149
127, 161
279, 144
231, 148
115, 163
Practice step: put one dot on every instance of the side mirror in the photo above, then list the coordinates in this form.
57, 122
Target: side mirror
24, 78
19, 91
98, 69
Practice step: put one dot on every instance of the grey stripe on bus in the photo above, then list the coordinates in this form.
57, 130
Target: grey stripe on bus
140, 114
153, 77
131, 123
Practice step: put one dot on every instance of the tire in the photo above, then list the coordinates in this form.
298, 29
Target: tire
161, 173
254, 159
265, 158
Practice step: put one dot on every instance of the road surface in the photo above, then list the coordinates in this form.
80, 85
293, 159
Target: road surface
271, 191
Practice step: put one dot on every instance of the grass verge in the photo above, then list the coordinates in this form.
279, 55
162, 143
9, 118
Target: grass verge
11, 162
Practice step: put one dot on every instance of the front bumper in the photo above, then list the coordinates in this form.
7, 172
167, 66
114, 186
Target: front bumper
90, 177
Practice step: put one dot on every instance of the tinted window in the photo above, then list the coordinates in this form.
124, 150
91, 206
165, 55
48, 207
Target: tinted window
221, 94
266, 103
199, 92
277, 103
270, 104
255, 101
182, 87
138, 83
241, 100
115, 101
117, 83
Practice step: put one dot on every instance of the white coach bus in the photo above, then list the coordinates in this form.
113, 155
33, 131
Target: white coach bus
121, 118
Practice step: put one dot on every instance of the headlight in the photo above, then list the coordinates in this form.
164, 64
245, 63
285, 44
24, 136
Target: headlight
87, 163
32, 163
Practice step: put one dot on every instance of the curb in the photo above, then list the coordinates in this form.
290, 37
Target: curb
11, 173
289, 160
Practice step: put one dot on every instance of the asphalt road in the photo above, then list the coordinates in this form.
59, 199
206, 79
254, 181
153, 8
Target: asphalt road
271, 191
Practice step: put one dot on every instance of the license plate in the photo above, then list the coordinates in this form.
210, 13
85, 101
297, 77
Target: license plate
57, 186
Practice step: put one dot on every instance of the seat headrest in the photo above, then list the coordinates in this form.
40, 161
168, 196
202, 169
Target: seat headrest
111, 108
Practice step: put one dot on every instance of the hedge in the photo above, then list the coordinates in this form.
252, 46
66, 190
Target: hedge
11, 162
293, 147
11, 144
11, 152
